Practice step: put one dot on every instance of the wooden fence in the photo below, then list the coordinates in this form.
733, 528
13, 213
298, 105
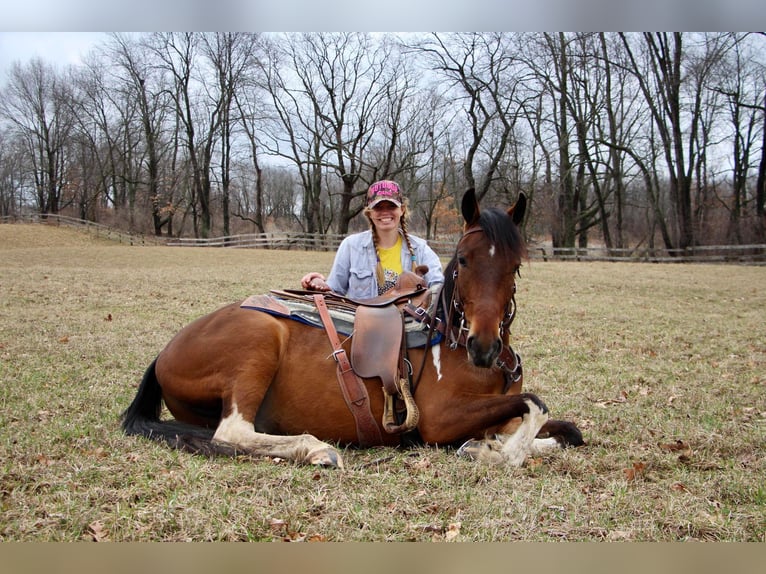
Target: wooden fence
89, 227
752, 254
755, 254
289, 240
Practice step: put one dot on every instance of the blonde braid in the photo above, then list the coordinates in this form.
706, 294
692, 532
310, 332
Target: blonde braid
409, 244
379, 267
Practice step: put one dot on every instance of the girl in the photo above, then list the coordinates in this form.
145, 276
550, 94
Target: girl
368, 263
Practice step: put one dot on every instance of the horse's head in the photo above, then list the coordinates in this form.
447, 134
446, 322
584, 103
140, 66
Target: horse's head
481, 278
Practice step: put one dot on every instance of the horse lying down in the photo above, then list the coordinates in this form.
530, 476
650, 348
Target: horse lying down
244, 381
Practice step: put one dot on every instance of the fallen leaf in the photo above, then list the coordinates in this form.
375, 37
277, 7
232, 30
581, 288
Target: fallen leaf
675, 446
603, 403
294, 537
637, 471
64, 339
98, 532
453, 531
43, 460
679, 487
420, 464
108, 317
533, 462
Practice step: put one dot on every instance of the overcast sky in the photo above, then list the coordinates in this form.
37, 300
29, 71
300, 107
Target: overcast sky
30, 28
59, 48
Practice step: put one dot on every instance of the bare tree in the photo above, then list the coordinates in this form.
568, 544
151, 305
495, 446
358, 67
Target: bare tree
35, 104
198, 109
673, 85
742, 90
483, 74
329, 92
12, 170
250, 105
231, 56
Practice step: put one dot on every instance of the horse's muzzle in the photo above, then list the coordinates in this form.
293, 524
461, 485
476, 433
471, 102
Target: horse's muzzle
483, 355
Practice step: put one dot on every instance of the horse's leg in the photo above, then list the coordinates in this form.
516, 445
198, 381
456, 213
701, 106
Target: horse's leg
552, 435
511, 449
242, 403
237, 429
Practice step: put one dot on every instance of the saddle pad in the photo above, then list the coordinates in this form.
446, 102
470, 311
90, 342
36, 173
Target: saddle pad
306, 313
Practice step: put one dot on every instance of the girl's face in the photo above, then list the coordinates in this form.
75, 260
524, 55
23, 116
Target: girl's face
386, 215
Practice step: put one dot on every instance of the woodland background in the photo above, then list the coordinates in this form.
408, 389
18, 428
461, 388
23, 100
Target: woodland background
620, 139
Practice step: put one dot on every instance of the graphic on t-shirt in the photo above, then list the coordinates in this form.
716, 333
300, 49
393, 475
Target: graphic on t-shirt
391, 261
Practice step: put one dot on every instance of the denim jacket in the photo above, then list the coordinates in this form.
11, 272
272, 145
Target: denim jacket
353, 271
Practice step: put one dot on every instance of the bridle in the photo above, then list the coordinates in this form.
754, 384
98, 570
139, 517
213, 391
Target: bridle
509, 361
459, 336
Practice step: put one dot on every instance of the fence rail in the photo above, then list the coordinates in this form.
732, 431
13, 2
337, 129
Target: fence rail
289, 240
753, 253
90, 227
700, 254
446, 247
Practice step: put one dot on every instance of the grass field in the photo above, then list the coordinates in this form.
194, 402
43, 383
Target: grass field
663, 367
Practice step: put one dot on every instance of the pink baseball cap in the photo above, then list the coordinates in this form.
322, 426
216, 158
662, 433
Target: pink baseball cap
385, 190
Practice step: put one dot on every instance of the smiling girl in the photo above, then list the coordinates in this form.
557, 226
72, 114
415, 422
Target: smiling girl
368, 263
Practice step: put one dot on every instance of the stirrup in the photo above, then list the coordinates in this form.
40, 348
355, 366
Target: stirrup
413, 413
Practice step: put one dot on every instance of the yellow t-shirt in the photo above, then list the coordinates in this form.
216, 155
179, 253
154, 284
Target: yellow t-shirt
391, 261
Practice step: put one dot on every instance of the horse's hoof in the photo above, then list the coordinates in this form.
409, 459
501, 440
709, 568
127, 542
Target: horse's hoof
326, 457
481, 450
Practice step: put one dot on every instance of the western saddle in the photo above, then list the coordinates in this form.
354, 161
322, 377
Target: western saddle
378, 349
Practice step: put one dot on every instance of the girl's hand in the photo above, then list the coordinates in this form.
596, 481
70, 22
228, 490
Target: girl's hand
314, 282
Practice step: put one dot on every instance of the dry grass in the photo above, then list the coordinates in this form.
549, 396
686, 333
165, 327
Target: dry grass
662, 366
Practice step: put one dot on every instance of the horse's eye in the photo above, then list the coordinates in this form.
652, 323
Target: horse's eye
461, 261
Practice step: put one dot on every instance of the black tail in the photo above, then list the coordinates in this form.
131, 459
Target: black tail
142, 418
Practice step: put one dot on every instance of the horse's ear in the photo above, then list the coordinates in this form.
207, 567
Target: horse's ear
518, 209
470, 208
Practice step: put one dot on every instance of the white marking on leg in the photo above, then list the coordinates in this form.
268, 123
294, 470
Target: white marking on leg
519, 446
235, 430
544, 445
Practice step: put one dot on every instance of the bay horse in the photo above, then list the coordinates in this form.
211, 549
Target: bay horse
241, 381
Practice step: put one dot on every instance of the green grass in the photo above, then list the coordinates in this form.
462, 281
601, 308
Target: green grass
662, 366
